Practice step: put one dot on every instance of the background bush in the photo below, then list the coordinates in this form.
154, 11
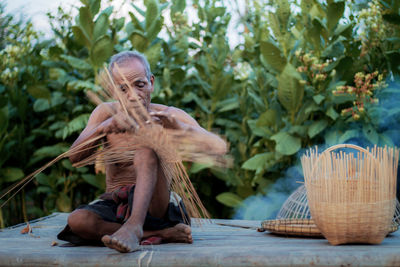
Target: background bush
305, 73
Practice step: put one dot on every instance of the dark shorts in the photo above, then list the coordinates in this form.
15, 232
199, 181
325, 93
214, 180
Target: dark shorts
107, 210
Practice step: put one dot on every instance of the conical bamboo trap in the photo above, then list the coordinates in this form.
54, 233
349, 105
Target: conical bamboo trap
294, 217
352, 197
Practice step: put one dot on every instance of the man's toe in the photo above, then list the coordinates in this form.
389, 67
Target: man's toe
187, 229
108, 242
114, 241
106, 239
122, 248
125, 247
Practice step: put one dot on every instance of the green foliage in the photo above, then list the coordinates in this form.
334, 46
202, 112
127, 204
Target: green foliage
42, 105
229, 199
270, 96
304, 57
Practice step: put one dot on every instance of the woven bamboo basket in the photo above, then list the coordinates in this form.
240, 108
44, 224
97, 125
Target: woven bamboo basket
294, 217
352, 197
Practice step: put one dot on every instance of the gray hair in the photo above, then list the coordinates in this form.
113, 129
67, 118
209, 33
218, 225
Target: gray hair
125, 56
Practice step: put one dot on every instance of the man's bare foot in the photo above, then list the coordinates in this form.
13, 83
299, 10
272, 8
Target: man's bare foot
180, 233
126, 239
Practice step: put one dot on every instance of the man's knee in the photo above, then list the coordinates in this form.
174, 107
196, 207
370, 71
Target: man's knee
82, 220
146, 156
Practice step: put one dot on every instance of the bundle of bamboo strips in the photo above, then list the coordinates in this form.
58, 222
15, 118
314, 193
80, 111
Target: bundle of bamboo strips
352, 198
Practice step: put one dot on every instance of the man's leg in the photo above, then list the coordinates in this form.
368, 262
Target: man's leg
90, 226
151, 195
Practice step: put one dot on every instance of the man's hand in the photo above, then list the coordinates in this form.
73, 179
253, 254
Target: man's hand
116, 124
168, 120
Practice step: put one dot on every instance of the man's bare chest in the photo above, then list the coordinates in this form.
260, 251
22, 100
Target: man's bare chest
121, 140
120, 144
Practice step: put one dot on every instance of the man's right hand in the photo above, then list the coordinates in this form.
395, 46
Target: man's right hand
103, 120
116, 124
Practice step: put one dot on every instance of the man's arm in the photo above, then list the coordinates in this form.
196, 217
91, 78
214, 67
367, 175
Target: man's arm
98, 120
175, 118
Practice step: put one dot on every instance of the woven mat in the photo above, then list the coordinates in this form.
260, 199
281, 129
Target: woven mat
299, 227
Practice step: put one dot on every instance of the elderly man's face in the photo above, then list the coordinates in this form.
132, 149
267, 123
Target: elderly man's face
132, 83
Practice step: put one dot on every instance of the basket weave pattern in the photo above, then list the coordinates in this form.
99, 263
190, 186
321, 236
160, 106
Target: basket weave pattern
293, 227
352, 198
354, 222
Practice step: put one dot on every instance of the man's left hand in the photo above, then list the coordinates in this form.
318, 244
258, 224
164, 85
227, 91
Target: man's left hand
167, 120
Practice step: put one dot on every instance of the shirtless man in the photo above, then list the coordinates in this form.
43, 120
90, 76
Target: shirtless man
151, 192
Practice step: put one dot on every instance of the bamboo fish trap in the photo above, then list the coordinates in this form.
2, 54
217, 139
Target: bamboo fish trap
294, 217
352, 197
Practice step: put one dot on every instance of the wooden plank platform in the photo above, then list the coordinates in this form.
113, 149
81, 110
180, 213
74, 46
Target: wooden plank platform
214, 245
